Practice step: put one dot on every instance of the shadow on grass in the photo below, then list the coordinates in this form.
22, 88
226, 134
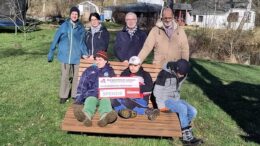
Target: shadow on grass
19, 51
170, 139
240, 100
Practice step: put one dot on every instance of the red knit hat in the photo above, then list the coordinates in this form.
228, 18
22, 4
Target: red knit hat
102, 54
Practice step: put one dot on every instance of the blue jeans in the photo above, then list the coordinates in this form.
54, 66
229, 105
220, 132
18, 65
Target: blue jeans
139, 105
185, 111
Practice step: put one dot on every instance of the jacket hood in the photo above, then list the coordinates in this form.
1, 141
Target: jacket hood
160, 25
164, 67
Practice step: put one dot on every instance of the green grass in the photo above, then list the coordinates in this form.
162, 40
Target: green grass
226, 96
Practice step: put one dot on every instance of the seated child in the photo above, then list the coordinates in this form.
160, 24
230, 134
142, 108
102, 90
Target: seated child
167, 95
87, 93
130, 107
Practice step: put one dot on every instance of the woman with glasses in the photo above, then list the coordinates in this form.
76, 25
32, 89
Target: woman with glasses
97, 37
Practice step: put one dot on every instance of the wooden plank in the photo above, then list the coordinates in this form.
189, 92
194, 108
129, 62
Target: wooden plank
166, 125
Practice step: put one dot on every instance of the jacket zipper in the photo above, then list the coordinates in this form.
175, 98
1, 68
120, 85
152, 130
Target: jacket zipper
92, 45
71, 32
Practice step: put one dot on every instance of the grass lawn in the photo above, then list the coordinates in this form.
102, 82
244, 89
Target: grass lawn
227, 97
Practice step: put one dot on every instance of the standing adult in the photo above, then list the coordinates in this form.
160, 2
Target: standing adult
130, 40
167, 39
97, 37
70, 39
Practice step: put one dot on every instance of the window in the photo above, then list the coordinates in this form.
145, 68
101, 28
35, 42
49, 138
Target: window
233, 17
200, 18
194, 18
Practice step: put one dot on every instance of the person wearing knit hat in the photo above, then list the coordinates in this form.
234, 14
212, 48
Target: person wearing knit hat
167, 96
102, 54
87, 99
70, 41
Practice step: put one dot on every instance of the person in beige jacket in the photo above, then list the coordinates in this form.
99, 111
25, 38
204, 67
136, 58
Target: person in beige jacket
168, 40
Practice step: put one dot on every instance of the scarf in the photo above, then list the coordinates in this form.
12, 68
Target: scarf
131, 32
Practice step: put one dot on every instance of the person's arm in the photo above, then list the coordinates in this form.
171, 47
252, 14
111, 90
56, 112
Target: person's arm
148, 45
185, 51
117, 47
160, 91
54, 43
106, 38
83, 48
148, 83
81, 87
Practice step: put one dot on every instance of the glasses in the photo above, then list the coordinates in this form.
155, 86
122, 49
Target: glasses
166, 18
133, 65
93, 19
130, 19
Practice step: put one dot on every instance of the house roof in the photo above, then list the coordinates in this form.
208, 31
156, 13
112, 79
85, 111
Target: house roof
181, 6
137, 7
203, 7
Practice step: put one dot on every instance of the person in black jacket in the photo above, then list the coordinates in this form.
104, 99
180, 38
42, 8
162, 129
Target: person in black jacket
130, 40
97, 37
130, 107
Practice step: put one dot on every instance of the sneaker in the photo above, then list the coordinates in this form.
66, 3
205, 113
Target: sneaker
188, 138
193, 142
152, 114
127, 113
63, 100
107, 118
78, 112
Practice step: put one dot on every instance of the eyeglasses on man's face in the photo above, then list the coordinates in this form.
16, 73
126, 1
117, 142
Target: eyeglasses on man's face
166, 18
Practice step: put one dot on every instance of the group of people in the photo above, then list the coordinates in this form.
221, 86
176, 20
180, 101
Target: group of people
132, 46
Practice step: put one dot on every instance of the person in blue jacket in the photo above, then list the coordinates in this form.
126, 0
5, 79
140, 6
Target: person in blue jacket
87, 94
70, 38
130, 40
97, 37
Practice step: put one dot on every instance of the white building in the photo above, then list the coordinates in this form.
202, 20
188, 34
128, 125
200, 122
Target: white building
223, 17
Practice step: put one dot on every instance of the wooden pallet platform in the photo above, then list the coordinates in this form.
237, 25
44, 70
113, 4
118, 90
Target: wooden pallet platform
166, 125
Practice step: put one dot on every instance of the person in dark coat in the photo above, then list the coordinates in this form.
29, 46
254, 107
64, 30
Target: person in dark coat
87, 94
130, 40
130, 107
97, 37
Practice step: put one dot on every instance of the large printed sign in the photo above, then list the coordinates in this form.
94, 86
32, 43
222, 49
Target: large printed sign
119, 87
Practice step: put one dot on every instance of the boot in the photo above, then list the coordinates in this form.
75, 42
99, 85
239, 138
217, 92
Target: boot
152, 114
127, 113
78, 112
188, 139
81, 116
107, 118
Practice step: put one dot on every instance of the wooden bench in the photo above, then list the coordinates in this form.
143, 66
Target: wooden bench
166, 125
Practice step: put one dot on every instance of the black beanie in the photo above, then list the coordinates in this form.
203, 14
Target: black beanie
74, 9
181, 66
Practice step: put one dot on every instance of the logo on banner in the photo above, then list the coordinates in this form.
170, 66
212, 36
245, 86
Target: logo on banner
119, 87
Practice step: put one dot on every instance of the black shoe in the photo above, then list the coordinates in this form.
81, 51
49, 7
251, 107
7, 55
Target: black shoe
193, 142
63, 100
107, 119
152, 114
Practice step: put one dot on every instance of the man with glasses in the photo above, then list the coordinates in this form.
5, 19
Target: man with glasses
168, 40
130, 40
